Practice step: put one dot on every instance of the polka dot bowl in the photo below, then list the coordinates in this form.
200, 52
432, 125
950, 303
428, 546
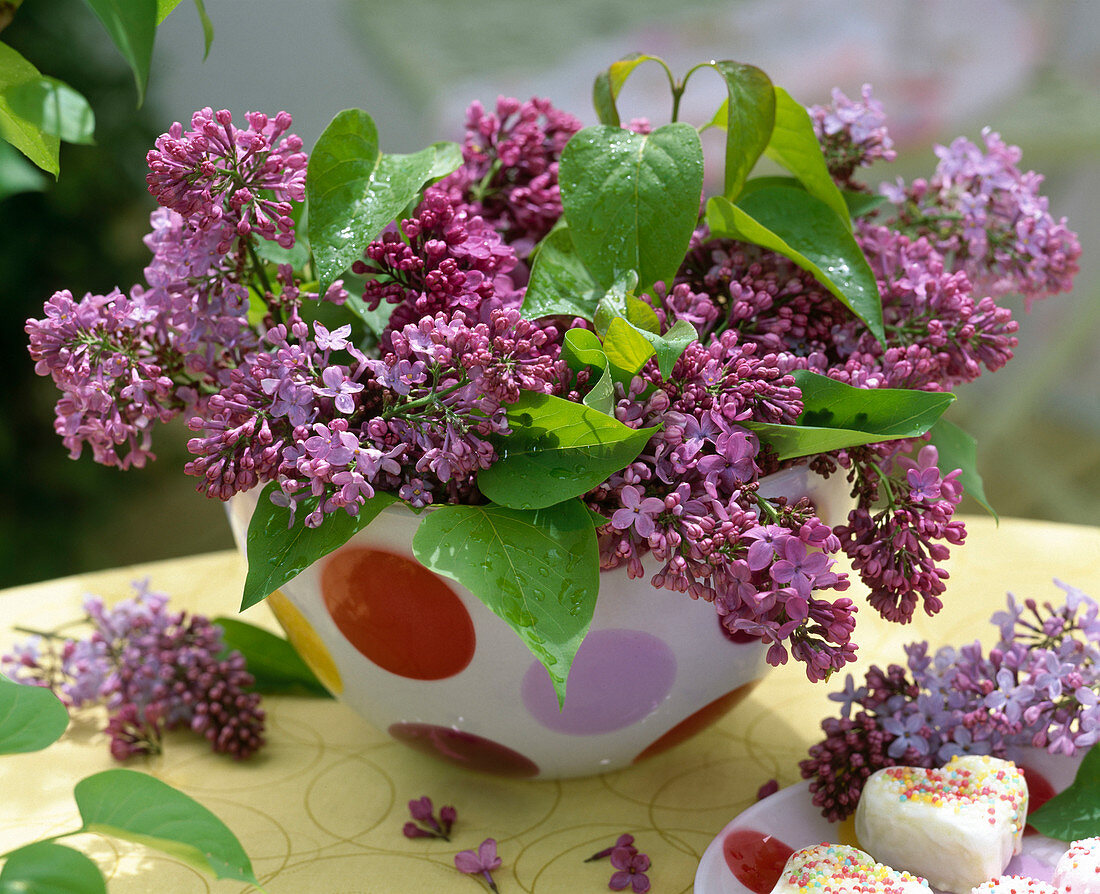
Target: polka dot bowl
422, 658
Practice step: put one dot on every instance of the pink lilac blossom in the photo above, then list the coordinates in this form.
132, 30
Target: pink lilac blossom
1039, 686
481, 862
155, 670
217, 173
509, 174
989, 217
852, 133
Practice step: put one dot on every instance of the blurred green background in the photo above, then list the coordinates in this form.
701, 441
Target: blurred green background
1031, 70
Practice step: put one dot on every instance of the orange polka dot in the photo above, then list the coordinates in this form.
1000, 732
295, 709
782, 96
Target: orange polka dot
697, 722
397, 613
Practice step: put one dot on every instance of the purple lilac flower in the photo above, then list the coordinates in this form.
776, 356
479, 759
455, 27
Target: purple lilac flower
425, 824
630, 870
624, 840
482, 862
217, 172
156, 670
509, 174
852, 133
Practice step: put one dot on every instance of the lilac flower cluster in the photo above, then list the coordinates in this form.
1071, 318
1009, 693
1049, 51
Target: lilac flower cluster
509, 174
1039, 686
989, 216
852, 133
424, 823
155, 670
334, 416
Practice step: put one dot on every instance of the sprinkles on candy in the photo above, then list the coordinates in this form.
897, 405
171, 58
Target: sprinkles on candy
840, 869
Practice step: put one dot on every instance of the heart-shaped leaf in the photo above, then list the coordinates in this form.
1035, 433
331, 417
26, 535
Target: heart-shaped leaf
31, 717
749, 120
537, 570
354, 190
609, 83
836, 415
55, 108
278, 552
557, 450
632, 200
958, 450
581, 349
40, 147
801, 227
794, 145
132, 25
137, 807
48, 868
560, 284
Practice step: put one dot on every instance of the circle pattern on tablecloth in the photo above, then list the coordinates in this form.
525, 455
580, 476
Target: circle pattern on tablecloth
465, 749
618, 677
397, 613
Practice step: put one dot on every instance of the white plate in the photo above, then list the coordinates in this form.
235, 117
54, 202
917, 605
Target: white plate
789, 817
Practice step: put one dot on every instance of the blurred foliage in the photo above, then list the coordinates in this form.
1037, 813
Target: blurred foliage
82, 233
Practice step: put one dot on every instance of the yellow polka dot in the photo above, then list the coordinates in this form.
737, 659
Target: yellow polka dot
305, 639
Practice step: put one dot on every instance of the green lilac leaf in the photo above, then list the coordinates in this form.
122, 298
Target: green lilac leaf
958, 450
207, 28
277, 553
31, 717
132, 25
632, 200
749, 120
48, 868
560, 284
794, 145
140, 808
836, 415
558, 449
615, 301
164, 7
609, 83
354, 189
1075, 813
537, 570
40, 147
627, 349
581, 349
272, 660
803, 228
53, 107
17, 174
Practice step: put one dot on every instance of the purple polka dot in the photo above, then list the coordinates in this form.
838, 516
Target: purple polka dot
617, 678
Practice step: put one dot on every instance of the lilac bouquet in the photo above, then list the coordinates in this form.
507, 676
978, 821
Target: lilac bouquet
1039, 686
551, 337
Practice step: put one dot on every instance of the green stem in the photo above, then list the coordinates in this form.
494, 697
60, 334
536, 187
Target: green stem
421, 401
767, 508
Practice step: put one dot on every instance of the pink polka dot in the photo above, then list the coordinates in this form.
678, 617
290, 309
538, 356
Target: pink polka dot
617, 678
397, 613
465, 749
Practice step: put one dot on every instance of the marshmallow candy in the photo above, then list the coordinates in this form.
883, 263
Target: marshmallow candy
957, 826
1015, 884
839, 869
1078, 871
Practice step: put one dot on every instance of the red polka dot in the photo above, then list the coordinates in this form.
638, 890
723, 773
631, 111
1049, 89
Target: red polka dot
465, 749
756, 859
697, 722
397, 613
1039, 791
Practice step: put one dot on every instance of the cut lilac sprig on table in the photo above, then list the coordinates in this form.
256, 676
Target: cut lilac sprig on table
154, 670
1038, 686
624, 840
481, 862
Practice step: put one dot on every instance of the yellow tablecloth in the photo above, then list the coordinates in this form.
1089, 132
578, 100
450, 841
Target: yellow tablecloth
321, 808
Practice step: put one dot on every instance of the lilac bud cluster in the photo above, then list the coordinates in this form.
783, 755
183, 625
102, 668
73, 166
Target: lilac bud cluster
852, 133
217, 174
1039, 686
989, 217
509, 172
155, 670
